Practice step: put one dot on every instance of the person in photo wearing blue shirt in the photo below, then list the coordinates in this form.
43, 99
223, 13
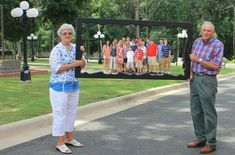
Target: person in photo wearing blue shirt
159, 55
64, 88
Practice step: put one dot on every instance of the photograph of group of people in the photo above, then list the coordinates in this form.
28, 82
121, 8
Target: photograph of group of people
136, 56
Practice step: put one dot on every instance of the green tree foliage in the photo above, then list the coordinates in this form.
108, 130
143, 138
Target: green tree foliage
54, 13
12, 27
216, 12
44, 33
62, 11
195, 11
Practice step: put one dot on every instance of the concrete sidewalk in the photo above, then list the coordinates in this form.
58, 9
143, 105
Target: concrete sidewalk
26, 130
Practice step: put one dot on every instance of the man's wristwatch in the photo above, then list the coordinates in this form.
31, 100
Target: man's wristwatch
200, 60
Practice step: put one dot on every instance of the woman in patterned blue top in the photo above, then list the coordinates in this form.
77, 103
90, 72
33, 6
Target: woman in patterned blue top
64, 88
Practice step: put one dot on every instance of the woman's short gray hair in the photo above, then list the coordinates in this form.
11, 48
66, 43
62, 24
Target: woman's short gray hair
65, 26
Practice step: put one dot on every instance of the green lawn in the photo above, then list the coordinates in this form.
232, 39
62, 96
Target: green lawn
232, 61
22, 100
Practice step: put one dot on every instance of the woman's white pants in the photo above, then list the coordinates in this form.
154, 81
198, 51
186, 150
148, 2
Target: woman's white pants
64, 110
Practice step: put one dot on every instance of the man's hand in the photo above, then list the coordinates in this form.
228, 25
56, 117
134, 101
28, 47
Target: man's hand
193, 57
191, 76
207, 64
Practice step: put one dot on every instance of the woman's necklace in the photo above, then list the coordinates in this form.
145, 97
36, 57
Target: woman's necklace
68, 47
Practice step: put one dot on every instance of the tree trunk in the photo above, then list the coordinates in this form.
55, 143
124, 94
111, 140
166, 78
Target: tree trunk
52, 37
137, 16
2, 29
233, 6
234, 31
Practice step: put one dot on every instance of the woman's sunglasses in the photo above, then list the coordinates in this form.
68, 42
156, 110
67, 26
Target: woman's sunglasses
67, 33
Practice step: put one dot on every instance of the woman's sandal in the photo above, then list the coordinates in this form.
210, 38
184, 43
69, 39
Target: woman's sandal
74, 143
63, 149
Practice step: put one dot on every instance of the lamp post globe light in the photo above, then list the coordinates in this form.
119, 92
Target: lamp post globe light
99, 36
32, 38
24, 13
183, 34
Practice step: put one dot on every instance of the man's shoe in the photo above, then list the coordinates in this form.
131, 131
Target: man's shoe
196, 143
208, 149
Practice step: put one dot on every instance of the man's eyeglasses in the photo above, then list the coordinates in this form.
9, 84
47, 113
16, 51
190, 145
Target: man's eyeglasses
67, 33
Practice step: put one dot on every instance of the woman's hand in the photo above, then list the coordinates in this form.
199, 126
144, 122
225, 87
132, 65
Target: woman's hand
75, 63
67, 67
81, 63
82, 48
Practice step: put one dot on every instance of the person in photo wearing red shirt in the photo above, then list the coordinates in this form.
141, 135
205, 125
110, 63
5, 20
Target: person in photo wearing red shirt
152, 54
139, 55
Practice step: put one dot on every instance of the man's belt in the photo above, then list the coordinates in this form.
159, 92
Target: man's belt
203, 74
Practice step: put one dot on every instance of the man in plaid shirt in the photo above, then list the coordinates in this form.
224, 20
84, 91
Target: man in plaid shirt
206, 59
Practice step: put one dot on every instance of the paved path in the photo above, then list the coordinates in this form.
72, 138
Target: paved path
160, 127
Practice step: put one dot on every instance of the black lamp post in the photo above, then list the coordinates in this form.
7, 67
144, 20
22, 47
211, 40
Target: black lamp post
99, 36
25, 14
32, 38
182, 35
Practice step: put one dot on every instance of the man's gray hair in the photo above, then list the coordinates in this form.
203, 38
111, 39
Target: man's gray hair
63, 27
208, 23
